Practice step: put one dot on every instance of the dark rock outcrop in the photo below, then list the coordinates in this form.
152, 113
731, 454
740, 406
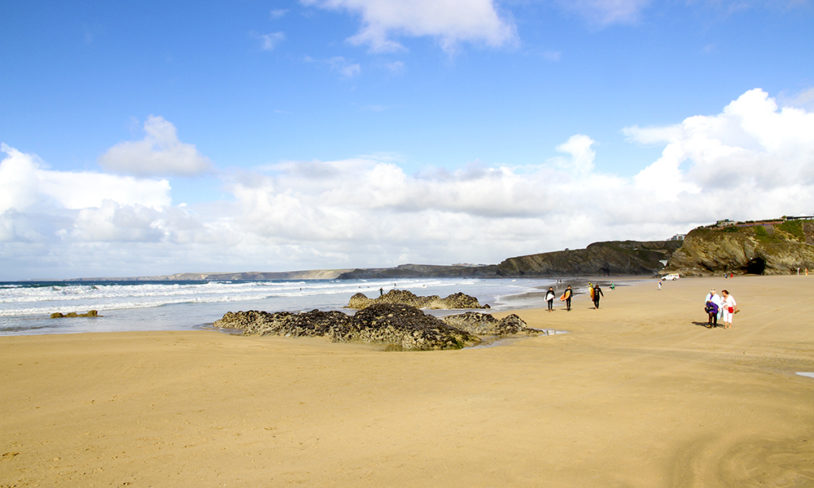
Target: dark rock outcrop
400, 327
313, 323
405, 328
404, 297
754, 248
60, 315
599, 258
483, 324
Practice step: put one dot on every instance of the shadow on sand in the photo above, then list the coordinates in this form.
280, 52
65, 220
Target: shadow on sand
704, 324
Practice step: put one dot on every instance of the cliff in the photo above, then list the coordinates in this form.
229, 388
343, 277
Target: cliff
778, 247
599, 258
423, 271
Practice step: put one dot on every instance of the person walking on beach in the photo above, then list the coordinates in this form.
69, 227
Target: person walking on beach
713, 307
549, 297
730, 307
567, 297
597, 293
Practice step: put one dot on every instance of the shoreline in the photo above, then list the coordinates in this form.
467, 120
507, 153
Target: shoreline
636, 394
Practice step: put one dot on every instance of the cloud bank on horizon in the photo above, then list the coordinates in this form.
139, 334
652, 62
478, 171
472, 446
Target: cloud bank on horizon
751, 160
367, 133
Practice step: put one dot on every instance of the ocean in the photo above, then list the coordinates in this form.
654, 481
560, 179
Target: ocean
26, 307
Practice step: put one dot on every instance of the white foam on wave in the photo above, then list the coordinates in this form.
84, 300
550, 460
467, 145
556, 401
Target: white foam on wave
80, 297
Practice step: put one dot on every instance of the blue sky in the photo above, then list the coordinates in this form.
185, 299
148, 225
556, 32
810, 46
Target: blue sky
157, 137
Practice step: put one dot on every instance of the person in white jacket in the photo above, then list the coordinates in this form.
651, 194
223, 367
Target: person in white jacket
729, 306
713, 314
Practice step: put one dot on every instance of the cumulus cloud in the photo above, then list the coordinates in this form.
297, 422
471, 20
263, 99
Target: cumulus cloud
753, 159
53, 209
752, 146
26, 183
449, 21
159, 153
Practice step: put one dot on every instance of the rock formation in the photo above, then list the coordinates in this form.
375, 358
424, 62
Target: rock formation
313, 323
456, 300
60, 315
484, 324
400, 327
777, 247
599, 258
403, 327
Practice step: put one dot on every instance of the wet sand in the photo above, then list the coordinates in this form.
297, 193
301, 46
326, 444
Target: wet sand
637, 394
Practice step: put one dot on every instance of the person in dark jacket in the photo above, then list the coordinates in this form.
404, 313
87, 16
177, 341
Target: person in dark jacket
597, 293
549, 297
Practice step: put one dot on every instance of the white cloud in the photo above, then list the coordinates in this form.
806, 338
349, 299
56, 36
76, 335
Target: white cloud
159, 153
580, 149
25, 183
606, 12
754, 159
271, 40
347, 69
449, 21
42, 205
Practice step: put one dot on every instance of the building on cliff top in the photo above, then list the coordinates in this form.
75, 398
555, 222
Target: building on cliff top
751, 223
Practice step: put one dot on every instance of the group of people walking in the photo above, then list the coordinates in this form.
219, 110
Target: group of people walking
568, 294
720, 307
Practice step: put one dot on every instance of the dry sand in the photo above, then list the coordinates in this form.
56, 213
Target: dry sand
637, 394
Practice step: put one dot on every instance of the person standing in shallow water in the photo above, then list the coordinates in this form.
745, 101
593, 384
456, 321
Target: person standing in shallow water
549, 297
730, 306
597, 293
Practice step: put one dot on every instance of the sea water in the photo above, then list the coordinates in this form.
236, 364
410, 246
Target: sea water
26, 307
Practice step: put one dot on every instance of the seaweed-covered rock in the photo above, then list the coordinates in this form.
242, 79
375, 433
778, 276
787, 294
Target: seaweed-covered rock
60, 315
404, 297
486, 324
461, 300
313, 323
403, 327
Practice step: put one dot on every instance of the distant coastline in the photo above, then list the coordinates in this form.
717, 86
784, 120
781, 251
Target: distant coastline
772, 246
612, 258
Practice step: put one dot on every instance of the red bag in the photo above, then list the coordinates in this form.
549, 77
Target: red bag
731, 309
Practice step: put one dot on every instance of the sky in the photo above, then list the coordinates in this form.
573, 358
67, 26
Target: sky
150, 138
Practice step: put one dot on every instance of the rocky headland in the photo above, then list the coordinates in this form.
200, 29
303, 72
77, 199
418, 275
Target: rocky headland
773, 247
398, 327
598, 259
403, 297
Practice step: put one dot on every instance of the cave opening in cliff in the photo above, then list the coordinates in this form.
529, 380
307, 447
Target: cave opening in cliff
756, 265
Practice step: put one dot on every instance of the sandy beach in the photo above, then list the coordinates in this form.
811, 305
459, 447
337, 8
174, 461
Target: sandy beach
637, 394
